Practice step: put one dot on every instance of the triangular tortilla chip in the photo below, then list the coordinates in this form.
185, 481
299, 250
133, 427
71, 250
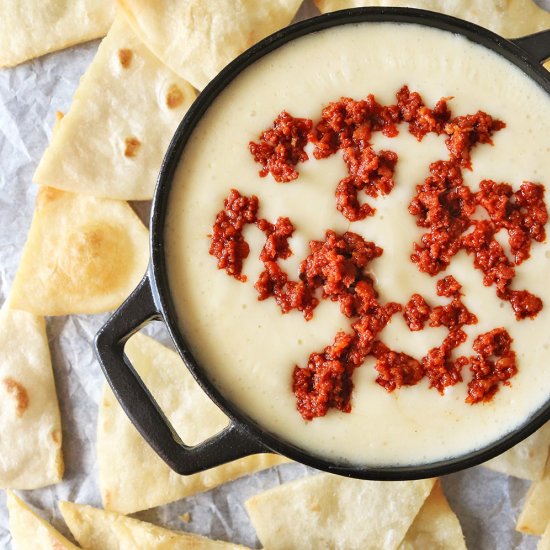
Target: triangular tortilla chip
510, 18
30, 427
30, 532
29, 29
197, 39
544, 543
96, 529
112, 141
535, 515
82, 255
436, 526
527, 459
126, 462
328, 511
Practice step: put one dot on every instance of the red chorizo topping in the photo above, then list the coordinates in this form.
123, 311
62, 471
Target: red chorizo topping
416, 313
524, 303
338, 264
466, 131
438, 365
448, 287
490, 258
395, 369
349, 123
347, 201
369, 171
288, 295
273, 281
444, 205
325, 383
282, 147
276, 244
488, 373
421, 119
452, 316
523, 213
228, 244
364, 165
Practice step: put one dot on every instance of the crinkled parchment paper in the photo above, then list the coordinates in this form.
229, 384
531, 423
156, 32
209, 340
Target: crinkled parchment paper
487, 503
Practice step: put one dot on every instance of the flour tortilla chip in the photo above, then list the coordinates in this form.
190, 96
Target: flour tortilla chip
535, 515
544, 543
509, 18
127, 107
30, 29
197, 39
328, 511
30, 532
126, 462
96, 529
527, 459
436, 526
30, 426
82, 255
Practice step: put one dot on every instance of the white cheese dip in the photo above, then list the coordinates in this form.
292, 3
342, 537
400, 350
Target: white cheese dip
249, 349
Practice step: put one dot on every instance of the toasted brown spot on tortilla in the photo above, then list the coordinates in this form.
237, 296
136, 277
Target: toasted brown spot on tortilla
314, 506
46, 195
125, 57
92, 253
132, 146
174, 97
107, 500
56, 436
59, 115
55, 544
19, 393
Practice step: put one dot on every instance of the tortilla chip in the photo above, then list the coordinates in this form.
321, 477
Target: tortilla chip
544, 543
197, 39
30, 426
127, 107
127, 463
509, 18
30, 29
82, 255
436, 526
29, 531
328, 511
96, 529
526, 459
535, 515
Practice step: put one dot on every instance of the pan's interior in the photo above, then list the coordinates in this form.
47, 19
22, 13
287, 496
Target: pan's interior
181, 315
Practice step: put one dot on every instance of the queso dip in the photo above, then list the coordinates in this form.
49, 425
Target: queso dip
250, 350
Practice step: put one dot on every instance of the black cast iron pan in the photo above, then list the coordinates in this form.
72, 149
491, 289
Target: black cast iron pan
151, 299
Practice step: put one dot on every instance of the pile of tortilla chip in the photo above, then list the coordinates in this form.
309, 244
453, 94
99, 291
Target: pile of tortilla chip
87, 249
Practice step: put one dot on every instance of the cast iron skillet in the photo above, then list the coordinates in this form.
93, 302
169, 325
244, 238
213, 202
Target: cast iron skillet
151, 299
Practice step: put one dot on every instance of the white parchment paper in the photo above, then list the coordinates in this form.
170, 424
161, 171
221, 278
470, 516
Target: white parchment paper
487, 503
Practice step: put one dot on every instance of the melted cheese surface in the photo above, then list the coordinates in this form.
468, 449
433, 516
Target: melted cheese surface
249, 348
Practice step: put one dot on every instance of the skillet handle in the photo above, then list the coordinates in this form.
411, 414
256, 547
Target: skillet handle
536, 45
230, 444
